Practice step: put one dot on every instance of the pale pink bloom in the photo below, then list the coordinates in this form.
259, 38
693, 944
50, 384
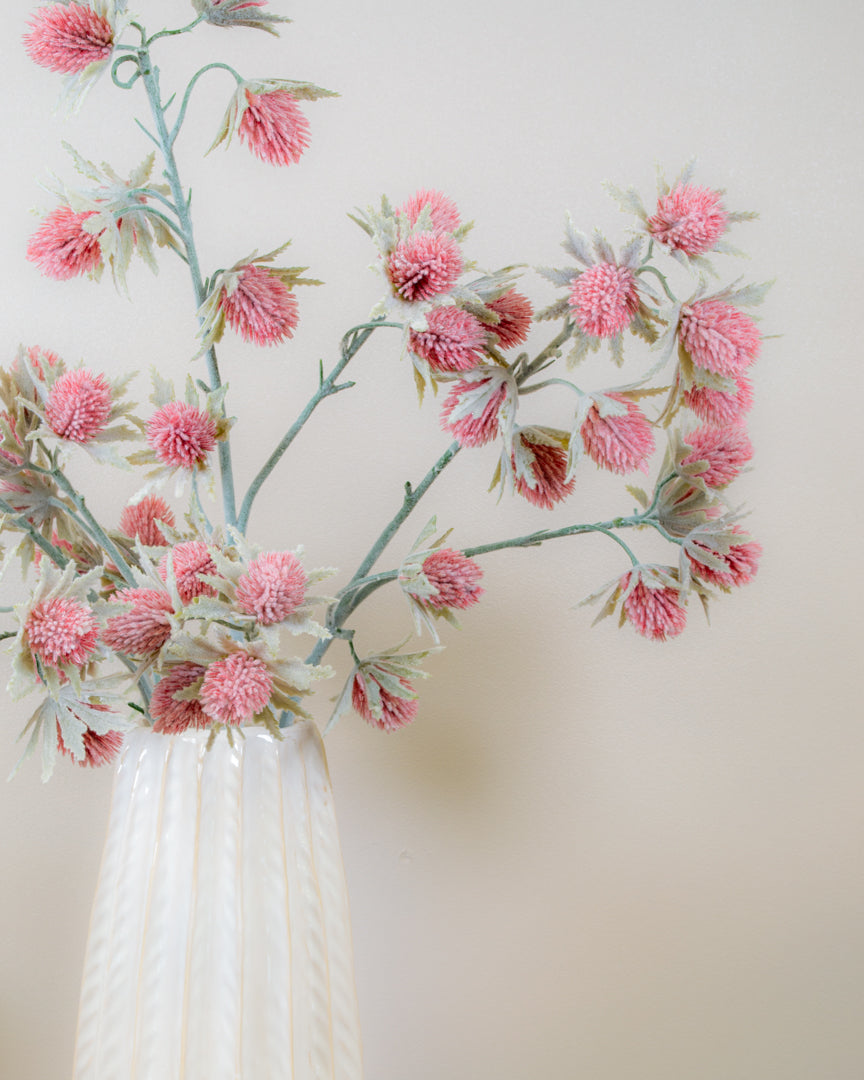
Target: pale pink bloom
36, 356
142, 631
181, 435
689, 219
79, 405
453, 341
549, 469
189, 560
726, 450
61, 631
99, 749
396, 712
618, 443
444, 212
272, 588
655, 612
67, 38
719, 337
454, 577
260, 307
61, 248
516, 313
171, 716
424, 265
719, 407
742, 561
604, 300
236, 688
141, 521
274, 128
481, 424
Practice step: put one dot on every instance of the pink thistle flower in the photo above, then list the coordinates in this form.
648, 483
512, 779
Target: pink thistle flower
79, 405
274, 128
604, 300
144, 630
98, 749
181, 435
396, 712
171, 716
719, 407
454, 577
140, 521
272, 588
61, 631
618, 443
719, 337
515, 313
690, 219
726, 450
260, 308
477, 407
452, 341
742, 561
424, 265
654, 611
61, 248
236, 688
68, 37
36, 357
444, 212
189, 560
549, 470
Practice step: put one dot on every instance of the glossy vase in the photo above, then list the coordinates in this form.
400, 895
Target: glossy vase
220, 941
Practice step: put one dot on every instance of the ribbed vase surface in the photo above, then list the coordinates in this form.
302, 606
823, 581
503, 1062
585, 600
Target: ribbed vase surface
220, 941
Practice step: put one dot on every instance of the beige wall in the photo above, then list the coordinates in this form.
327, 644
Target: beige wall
591, 856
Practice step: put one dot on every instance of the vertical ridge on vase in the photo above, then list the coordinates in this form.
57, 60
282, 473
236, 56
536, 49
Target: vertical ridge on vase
117, 1029
313, 1056
101, 920
158, 1036
345, 1023
266, 1013
212, 1050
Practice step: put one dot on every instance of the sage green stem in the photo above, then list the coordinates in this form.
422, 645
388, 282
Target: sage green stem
663, 281
175, 131
150, 75
53, 553
547, 356
172, 33
326, 387
93, 527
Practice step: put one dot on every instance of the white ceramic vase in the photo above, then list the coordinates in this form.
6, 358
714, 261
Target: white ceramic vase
220, 941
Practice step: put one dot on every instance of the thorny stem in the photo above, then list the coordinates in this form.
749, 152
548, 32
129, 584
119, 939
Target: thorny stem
326, 388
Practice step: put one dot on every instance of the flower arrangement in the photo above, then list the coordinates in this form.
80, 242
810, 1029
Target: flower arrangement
183, 622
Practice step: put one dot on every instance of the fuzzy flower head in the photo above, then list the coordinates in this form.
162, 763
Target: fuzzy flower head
189, 561
79, 406
453, 578
453, 340
260, 308
274, 128
443, 212
141, 521
717, 454
604, 299
539, 463
729, 568
719, 338
514, 312
144, 629
616, 434
424, 265
393, 709
272, 588
68, 37
63, 248
689, 219
652, 603
182, 435
720, 407
476, 407
170, 714
61, 631
229, 13
236, 689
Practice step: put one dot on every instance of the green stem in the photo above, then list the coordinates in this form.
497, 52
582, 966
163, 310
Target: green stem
547, 356
663, 281
175, 131
150, 75
20, 522
326, 388
92, 526
172, 33
550, 382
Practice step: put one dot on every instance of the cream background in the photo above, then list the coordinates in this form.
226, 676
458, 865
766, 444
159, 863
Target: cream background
591, 856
